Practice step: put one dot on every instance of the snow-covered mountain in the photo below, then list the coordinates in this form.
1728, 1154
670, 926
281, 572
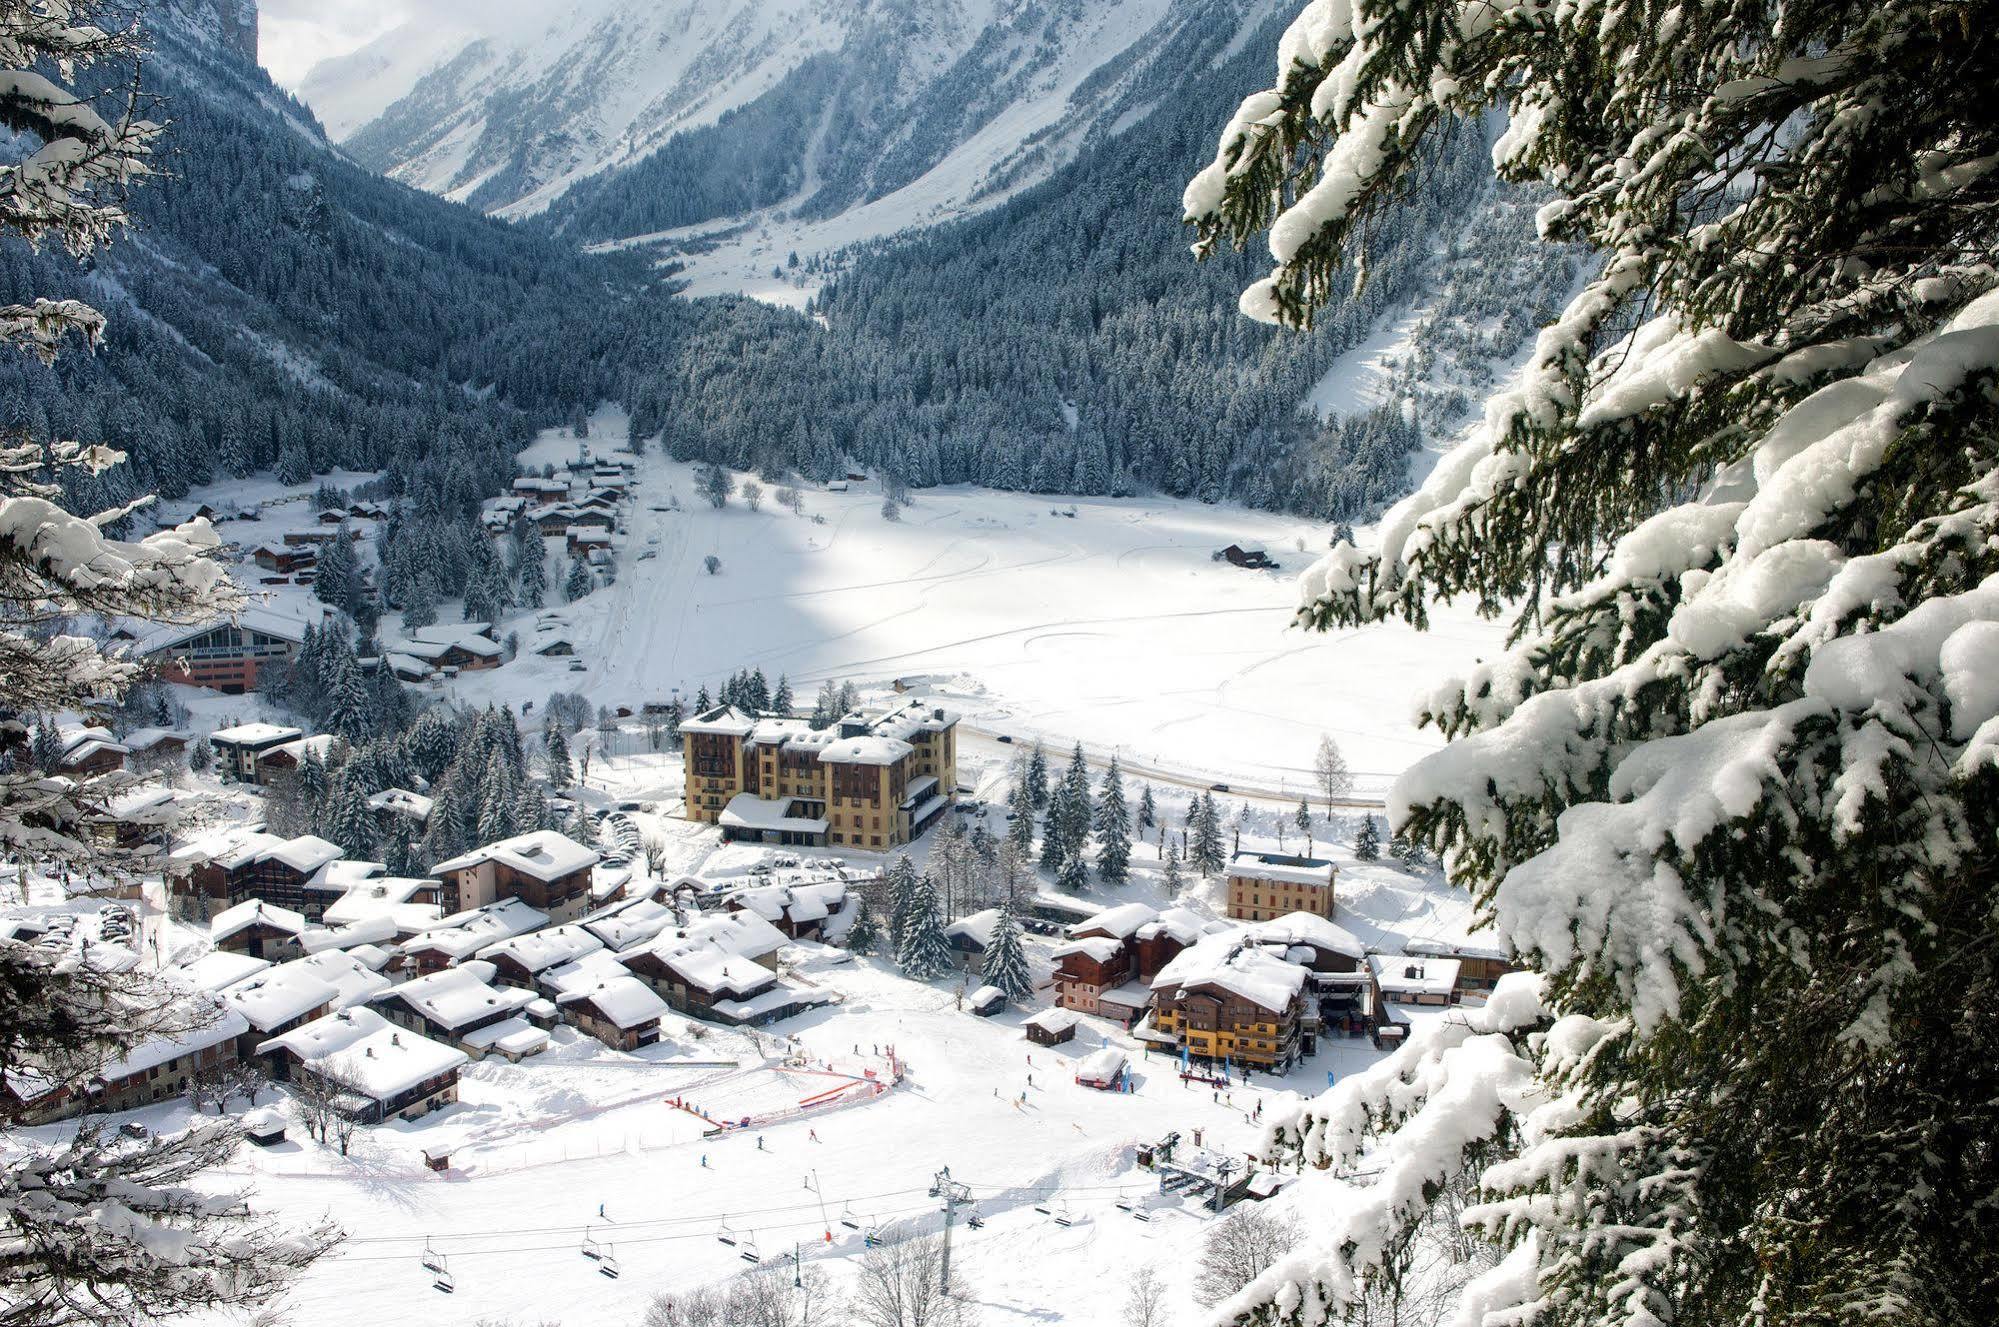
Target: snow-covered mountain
826, 105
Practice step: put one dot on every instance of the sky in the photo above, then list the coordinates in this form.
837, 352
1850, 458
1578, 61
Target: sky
295, 35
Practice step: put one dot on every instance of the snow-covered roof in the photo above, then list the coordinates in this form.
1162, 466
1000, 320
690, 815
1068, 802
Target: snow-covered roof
870, 750
631, 923
1182, 924
544, 949
277, 996
1404, 974
1308, 928
1222, 962
145, 739
748, 811
723, 720
1281, 869
511, 1036
363, 1051
219, 969
1051, 1020
801, 903
985, 995
1099, 947
1482, 945
304, 854
1119, 922
217, 1026
353, 981
976, 927
379, 928
778, 997
254, 912
254, 734
625, 1001
464, 933
740, 933
457, 996
541, 854
262, 621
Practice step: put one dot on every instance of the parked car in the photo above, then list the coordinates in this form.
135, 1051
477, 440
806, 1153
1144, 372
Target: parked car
1007, 738
1218, 787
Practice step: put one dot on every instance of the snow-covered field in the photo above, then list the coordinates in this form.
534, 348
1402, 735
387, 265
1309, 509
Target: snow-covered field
1113, 626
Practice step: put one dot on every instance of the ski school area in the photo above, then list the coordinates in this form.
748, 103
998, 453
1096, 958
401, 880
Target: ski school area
578, 1196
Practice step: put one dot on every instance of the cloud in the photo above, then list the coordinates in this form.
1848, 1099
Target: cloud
295, 35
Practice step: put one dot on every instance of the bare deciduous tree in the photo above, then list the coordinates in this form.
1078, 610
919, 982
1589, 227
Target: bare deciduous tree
1145, 1300
899, 1286
1238, 1250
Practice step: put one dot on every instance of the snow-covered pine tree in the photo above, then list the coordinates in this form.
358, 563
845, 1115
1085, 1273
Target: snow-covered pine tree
1367, 839
1303, 819
1205, 852
1170, 875
337, 577
99, 1230
1070, 812
1148, 810
1732, 796
826, 706
1113, 828
350, 712
348, 822
201, 756
925, 952
1037, 776
1005, 964
903, 886
1020, 829
533, 591
578, 582
864, 935
561, 773
781, 700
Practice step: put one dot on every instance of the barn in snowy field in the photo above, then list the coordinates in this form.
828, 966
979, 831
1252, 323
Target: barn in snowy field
1253, 558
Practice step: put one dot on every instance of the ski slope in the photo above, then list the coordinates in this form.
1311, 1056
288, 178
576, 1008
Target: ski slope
1114, 627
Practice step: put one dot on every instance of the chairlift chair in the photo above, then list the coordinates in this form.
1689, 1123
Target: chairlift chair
433, 1261
847, 1217
1062, 1215
872, 1237
974, 1220
607, 1262
749, 1250
726, 1235
441, 1278
591, 1248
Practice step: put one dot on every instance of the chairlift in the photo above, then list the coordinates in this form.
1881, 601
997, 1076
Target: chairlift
749, 1250
1131, 1205
433, 1261
607, 1262
847, 1217
725, 1234
872, 1237
591, 1248
974, 1220
1062, 1215
441, 1278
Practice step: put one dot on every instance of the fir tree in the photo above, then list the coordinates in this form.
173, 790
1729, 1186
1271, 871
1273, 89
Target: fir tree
1037, 777
1148, 810
1206, 851
1170, 875
420, 608
1727, 793
201, 756
1367, 840
349, 711
560, 772
1006, 964
864, 935
579, 582
1113, 828
781, 700
533, 572
1020, 827
925, 952
348, 822
903, 886
1303, 819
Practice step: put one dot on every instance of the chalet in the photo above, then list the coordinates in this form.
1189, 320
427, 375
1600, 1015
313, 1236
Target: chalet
408, 903
521, 960
541, 491
970, 936
1238, 556
1103, 965
135, 817
378, 1069
620, 1011
800, 911
986, 1001
466, 646
1050, 1027
155, 745
1480, 965
399, 808
553, 520
351, 979
1221, 1000
284, 561
238, 749
332, 516
90, 752
275, 1001
1408, 979
1263, 885
631, 922
555, 647
290, 873
593, 516
463, 934
542, 869
258, 929
585, 539
452, 1003
1338, 984
157, 1069
285, 758
720, 967
223, 655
